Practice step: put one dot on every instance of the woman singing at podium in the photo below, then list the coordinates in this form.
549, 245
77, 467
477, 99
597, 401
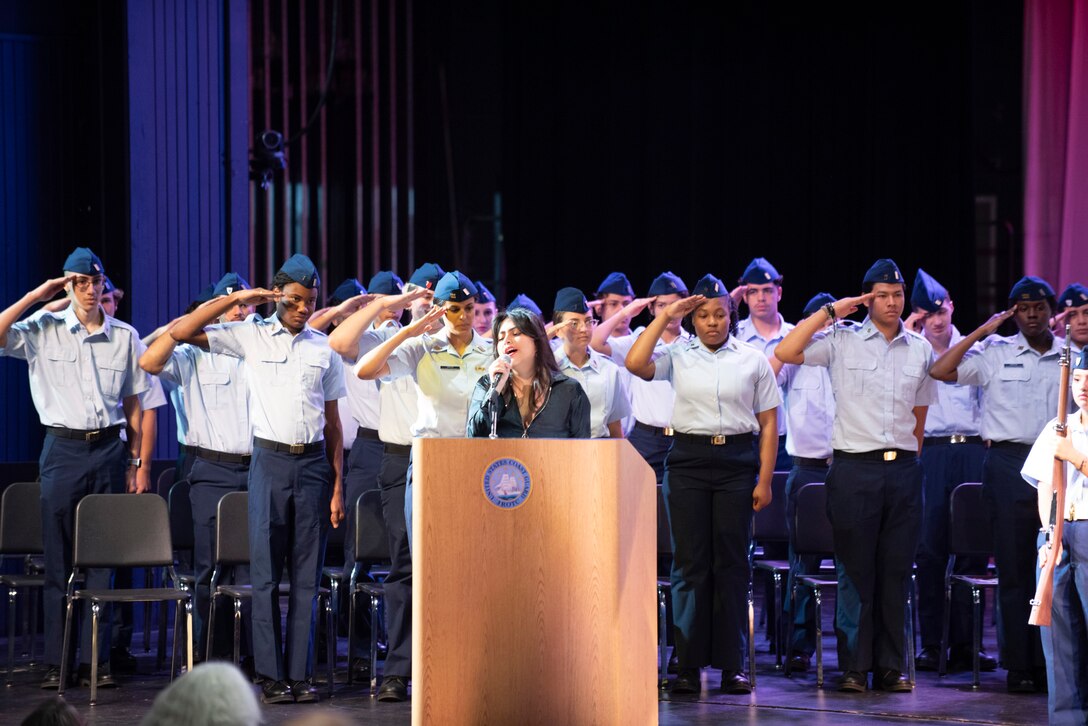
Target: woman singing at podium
718, 470
523, 393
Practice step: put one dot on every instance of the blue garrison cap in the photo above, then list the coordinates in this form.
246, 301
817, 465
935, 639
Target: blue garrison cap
107, 285
818, 301
386, 282
455, 287
349, 288
884, 270
615, 284
667, 284
760, 272
928, 294
710, 286
1080, 361
206, 293
483, 295
427, 275
1031, 289
301, 269
526, 302
1073, 297
570, 300
84, 262
229, 283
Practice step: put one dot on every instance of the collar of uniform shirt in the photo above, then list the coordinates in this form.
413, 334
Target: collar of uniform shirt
592, 362
441, 341
1024, 346
868, 329
73, 324
746, 329
732, 343
277, 325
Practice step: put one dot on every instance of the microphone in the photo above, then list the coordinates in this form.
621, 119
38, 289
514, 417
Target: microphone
499, 380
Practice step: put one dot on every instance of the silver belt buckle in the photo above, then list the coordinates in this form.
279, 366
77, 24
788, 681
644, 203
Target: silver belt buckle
890, 455
667, 431
717, 440
957, 439
297, 449
92, 435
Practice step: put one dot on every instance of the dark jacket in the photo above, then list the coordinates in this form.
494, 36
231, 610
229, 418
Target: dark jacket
565, 414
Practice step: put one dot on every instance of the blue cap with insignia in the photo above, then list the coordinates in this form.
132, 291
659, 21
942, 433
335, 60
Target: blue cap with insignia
301, 270
347, 289
1072, 297
928, 294
427, 276
667, 284
84, 262
385, 282
817, 302
230, 283
205, 294
615, 284
107, 285
1080, 361
455, 287
525, 302
710, 286
883, 270
570, 300
760, 272
1031, 289
483, 295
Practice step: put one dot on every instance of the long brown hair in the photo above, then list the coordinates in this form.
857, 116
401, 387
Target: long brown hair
529, 323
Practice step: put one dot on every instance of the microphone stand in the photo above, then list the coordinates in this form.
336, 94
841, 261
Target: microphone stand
496, 399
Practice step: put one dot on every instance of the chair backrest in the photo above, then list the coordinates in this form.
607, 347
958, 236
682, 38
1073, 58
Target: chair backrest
21, 519
162, 484
811, 527
371, 537
969, 529
122, 530
181, 516
232, 529
769, 523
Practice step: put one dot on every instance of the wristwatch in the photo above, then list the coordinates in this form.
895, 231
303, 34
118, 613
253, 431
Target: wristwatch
135, 462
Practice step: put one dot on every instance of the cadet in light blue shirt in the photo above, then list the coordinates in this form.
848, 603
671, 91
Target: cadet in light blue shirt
295, 480
85, 385
874, 485
718, 471
1072, 310
1018, 378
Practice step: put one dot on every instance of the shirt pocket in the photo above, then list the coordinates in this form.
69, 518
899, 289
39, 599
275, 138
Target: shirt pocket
213, 388
859, 374
62, 366
909, 381
111, 375
1015, 383
314, 366
271, 369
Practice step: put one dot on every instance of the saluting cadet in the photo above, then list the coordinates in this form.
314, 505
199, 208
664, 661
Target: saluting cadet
1073, 310
599, 376
874, 485
1065, 641
484, 312
765, 328
810, 416
952, 454
398, 399
85, 385
615, 293
717, 472
295, 485
651, 401
1018, 380
212, 393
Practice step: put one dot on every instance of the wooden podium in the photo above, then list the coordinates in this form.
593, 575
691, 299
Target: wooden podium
537, 608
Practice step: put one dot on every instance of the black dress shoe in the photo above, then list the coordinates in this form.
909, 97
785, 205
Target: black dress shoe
892, 681
276, 692
360, 669
799, 662
105, 679
1019, 682
687, 681
960, 659
304, 692
735, 682
852, 682
51, 682
929, 659
393, 688
122, 661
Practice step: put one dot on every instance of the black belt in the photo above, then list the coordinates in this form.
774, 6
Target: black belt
886, 455
365, 433
952, 439
109, 432
186, 449
657, 430
397, 449
1014, 445
293, 449
221, 456
814, 463
717, 440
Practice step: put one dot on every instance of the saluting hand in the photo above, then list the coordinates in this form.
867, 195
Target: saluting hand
257, 296
396, 303
738, 293
990, 326
49, 289
683, 306
430, 322
849, 305
356, 302
636, 306
914, 322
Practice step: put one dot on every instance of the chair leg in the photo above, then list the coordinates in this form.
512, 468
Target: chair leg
161, 649
210, 624
817, 597
662, 641
910, 634
942, 661
174, 643
95, 612
64, 646
148, 582
976, 640
12, 595
237, 632
373, 645
189, 634
351, 632
751, 636
778, 620
330, 645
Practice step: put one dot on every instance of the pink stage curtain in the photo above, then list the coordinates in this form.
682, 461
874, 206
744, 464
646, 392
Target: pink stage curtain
1056, 140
